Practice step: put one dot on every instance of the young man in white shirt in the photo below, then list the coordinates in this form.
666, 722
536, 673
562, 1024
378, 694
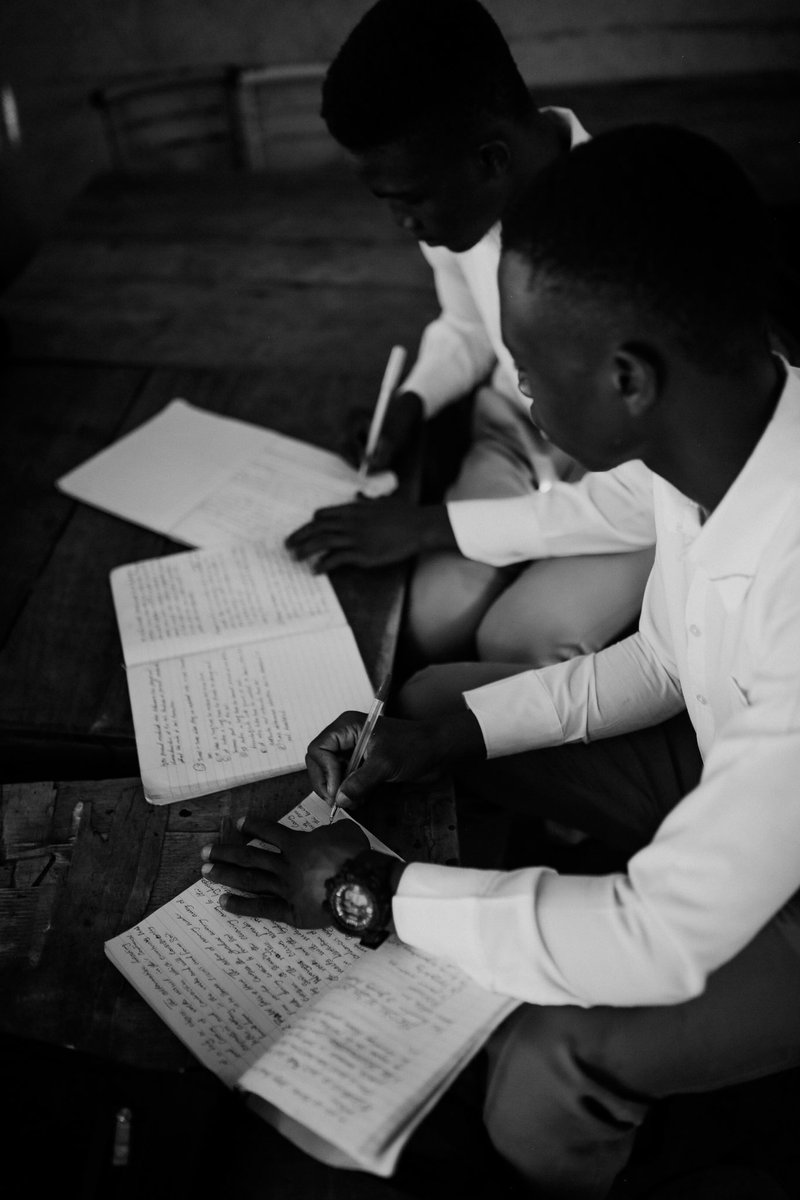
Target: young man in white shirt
678, 747
428, 100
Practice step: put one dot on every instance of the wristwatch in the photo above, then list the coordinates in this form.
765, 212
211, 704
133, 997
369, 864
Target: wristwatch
359, 896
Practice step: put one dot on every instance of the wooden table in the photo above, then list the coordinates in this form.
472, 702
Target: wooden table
64, 709
276, 304
83, 861
304, 275
273, 302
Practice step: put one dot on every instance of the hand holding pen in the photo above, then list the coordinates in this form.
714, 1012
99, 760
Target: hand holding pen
376, 708
391, 378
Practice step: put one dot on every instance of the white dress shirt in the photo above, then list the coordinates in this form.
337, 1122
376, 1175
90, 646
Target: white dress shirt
464, 344
605, 512
720, 632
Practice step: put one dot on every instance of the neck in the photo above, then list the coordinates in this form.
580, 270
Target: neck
534, 147
709, 436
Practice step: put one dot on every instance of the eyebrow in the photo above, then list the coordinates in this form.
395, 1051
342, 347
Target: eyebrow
396, 193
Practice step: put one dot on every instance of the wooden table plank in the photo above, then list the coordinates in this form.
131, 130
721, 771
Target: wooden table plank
83, 861
231, 269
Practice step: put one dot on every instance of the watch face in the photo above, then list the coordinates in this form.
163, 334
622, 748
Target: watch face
354, 906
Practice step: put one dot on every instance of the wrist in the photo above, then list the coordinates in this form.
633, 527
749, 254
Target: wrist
411, 404
459, 738
435, 530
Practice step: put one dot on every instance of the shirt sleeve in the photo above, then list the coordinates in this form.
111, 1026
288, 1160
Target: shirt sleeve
455, 353
605, 512
617, 690
722, 863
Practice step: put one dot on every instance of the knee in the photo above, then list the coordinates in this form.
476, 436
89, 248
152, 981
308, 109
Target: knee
554, 1105
552, 637
447, 598
431, 693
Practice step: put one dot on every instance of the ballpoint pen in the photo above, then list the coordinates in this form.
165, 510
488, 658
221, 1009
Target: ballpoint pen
391, 375
376, 708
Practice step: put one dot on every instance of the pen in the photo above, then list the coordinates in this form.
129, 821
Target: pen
391, 376
376, 708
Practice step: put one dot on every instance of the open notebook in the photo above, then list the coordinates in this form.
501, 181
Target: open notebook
236, 658
204, 479
344, 1050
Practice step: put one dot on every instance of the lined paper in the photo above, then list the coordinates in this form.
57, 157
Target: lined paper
217, 719
207, 599
205, 480
363, 1064
227, 986
236, 658
346, 1049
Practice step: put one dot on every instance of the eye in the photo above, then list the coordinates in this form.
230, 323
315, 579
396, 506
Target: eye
523, 384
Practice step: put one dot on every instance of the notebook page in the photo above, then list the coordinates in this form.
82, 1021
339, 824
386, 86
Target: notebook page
197, 600
226, 986
361, 1066
216, 719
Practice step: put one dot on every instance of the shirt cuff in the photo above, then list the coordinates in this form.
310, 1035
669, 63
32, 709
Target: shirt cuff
515, 714
498, 532
435, 909
484, 921
434, 389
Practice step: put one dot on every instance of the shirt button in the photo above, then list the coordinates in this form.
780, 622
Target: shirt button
694, 630
700, 699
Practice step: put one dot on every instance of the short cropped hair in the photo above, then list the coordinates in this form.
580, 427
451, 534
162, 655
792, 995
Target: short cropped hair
657, 218
412, 67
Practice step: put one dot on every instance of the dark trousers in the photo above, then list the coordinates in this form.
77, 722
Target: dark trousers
567, 1088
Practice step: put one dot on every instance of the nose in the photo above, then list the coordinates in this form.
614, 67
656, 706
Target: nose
404, 219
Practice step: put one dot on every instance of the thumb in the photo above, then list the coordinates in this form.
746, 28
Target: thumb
381, 456
354, 789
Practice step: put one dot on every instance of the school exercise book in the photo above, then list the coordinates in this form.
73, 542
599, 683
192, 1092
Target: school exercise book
343, 1050
236, 657
205, 480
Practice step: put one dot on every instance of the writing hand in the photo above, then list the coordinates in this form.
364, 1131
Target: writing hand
398, 751
287, 883
399, 429
371, 533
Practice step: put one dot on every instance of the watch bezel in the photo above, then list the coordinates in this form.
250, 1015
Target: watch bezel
371, 872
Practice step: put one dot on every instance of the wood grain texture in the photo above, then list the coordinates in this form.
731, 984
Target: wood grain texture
83, 861
224, 270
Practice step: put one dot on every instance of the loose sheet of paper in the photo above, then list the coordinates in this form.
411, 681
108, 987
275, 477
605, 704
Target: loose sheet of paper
205, 480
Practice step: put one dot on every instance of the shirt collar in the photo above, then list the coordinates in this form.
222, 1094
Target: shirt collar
733, 538
577, 134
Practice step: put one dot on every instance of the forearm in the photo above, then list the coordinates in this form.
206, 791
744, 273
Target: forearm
435, 529
605, 512
619, 689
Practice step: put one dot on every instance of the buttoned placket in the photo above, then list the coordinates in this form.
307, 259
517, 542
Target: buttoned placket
688, 529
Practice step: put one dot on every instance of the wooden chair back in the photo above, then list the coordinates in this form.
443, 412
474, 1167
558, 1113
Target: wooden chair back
185, 121
280, 125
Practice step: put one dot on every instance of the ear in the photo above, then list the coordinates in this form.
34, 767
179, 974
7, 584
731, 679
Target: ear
637, 376
494, 158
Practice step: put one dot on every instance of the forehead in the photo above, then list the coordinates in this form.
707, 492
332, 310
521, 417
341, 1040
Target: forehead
523, 309
407, 165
